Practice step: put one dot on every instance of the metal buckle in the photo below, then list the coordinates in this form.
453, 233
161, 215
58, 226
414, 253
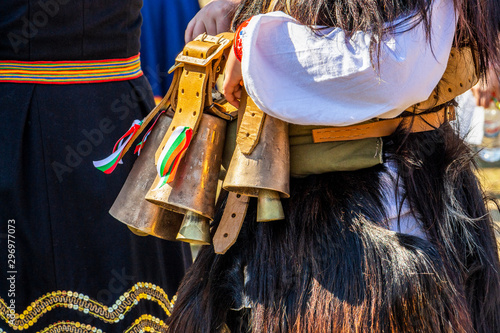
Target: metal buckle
221, 41
218, 110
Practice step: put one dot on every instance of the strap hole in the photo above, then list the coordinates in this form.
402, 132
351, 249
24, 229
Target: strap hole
248, 134
186, 73
449, 89
238, 196
253, 114
461, 84
201, 75
187, 53
202, 55
180, 110
173, 128
194, 113
197, 94
233, 215
226, 235
182, 91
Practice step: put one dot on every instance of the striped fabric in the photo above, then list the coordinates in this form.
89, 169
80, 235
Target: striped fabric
70, 72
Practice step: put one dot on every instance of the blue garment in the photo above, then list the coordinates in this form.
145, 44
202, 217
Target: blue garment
162, 38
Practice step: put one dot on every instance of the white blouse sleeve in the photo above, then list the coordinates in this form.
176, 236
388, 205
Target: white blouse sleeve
295, 75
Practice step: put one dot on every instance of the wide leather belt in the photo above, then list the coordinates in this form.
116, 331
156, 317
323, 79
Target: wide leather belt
380, 128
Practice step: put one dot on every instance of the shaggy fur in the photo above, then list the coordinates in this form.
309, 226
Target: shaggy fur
332, 266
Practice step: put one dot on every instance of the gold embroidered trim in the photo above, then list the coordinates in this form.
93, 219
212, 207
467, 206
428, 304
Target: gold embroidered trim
74, 327
145, 323
83, 303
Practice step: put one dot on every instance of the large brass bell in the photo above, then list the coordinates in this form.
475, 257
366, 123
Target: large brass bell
265, 172
131, 208
193, 191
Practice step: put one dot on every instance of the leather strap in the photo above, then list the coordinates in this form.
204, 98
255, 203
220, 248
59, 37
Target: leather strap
460, 75
194, 87
381, 128
250, 126
231, 222
164, 104
190, 103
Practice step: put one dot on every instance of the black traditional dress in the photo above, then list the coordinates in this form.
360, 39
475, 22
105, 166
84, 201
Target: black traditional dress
70, 261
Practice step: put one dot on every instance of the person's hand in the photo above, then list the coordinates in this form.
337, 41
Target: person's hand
233, 83
484, 91
213, 19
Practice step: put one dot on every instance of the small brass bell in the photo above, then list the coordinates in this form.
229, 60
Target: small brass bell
195, 229
269, 206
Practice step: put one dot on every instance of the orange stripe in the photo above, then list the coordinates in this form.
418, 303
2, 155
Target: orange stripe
59, 73
70, 62
174, 154
122, 78
31, 72
176, 166
69, 69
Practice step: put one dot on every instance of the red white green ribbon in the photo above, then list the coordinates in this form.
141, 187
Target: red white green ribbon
172, 154
140, 145
109, 164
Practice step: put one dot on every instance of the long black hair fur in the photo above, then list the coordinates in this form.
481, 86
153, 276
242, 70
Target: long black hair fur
332, 265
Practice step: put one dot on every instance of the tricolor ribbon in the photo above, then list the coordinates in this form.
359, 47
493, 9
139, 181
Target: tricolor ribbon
109, 164
172, 154
140, 145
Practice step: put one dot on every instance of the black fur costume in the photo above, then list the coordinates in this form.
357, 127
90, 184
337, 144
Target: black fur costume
332, 266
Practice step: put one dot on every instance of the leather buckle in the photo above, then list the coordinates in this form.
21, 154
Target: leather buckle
220, 111
221, 41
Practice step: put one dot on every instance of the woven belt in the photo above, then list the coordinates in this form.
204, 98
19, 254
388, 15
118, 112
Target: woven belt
70, 72
415, 123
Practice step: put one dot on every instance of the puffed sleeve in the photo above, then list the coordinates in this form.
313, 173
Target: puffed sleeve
296, 75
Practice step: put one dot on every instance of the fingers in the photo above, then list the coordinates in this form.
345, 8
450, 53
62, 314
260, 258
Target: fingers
188, 34
210, 27
233, 95
198, 29
232, 88
213, 19
223, 24
232, 85
237, 93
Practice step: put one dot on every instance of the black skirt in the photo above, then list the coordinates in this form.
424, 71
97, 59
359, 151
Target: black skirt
55, 203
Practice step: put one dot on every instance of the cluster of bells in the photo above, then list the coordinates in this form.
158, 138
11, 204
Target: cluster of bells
182, 210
